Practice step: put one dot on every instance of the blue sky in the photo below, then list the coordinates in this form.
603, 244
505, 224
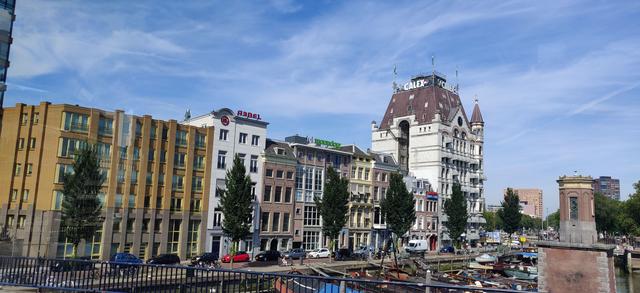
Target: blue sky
558, 81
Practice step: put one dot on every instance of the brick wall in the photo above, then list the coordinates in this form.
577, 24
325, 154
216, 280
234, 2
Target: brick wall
562, 269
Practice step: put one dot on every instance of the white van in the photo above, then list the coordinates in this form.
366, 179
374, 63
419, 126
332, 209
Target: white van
416, 246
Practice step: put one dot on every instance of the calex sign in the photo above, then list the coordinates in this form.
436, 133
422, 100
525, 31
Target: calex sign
248, 115
415, 84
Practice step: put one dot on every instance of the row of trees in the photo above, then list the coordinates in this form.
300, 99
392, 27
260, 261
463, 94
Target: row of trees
509, 218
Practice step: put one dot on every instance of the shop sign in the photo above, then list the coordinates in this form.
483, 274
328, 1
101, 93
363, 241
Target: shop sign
249, 115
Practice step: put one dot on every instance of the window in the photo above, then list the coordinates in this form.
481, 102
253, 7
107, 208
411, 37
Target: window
299, 173
201, 140
255, 140
310, 156
310, 240
287, 195
179, 160
68, 146
277, 197
267, 193
269, 172
20, 143
105, 126
194, 206
176, 204
17, 169
318, 179
118, 200
163, 156
308, 179
285, 222
222, 159
159, 202
25, 119
241, 157
153, 131
311, 217
132, 201
130, 224
223, 134
264, 222
181, 138
192, 238
161, 178
174, 236
217, 217
157, 227
289, 175
177, 182
279, 174
136, 153
32, 143
21, 220
138, 128
242, 138
275, 222
196, 184
25, 195
253, 165
165, 133
14, 195
36, 117
359, 173
384, 177
29, 169
573, 208
366, 173
57, 199
75, 122
147, 202
198, 162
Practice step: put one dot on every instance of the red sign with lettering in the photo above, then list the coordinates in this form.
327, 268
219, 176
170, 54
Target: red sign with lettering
249, 115
224, 120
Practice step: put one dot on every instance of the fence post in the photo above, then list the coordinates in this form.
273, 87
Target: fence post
427, 281
343, 287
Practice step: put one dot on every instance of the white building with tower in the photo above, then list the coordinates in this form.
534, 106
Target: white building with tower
239, 133
426, 129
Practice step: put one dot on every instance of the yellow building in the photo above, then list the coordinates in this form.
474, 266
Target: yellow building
360, 221
154, 198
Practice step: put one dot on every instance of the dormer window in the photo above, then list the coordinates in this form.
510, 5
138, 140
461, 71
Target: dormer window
280, 151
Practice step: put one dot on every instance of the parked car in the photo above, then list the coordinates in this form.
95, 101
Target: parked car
344, 254
447, 249
206, 259
125, 261
295, 253
318, 253
72, 264
361, 253
270, 255
165, 259
240, 256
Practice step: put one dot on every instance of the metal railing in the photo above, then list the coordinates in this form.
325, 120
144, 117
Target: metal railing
97, 276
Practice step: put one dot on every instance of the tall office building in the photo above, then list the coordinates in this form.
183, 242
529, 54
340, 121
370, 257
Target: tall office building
7, 16
531, 201
238, 133
154, 198
426, 129
609, 187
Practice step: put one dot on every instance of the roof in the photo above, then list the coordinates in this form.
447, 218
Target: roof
423, 102
355, 150
476, 117
272, 145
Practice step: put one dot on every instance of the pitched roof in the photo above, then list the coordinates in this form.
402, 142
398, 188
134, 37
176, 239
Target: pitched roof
424, 103
476, 117
355, 150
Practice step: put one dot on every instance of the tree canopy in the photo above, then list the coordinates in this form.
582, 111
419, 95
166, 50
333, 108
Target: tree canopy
399, 206
235, 202
81, 206
334, 205
510, 212
455, 208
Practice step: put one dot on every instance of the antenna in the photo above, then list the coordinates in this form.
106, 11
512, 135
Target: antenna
395, 75
457, 85
433, 64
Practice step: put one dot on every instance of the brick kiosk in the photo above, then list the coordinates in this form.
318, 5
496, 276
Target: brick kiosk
576, 263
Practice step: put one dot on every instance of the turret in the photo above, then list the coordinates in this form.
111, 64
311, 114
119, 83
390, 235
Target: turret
477, 124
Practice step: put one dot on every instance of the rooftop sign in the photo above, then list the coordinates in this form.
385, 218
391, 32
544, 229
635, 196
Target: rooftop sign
249, 115
327, 143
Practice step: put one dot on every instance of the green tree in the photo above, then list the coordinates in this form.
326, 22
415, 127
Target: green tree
553, 220
510, 212
236, 206
531, 223
490, 218
606, 210
455, 208
81, 207
399, 208
334, 205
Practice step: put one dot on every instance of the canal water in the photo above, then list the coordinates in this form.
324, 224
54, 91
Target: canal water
627, 283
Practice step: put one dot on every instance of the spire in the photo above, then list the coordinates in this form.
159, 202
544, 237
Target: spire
476, 117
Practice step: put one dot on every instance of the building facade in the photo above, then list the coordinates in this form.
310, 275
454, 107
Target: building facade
609, 187
7, 16
155, 195
426, 129
426, 208
359, 224
277, 206
237, 133
383, 166
531, 201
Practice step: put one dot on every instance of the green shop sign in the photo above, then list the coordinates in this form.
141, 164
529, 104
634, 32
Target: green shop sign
327, 143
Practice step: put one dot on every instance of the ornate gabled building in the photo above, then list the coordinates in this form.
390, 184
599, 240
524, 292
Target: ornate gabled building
427, 131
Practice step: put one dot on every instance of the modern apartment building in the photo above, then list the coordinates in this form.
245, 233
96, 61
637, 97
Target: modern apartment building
360, 222
426, 129
609, 187
530, 201
277, 206
314, 156
238, 133
7, 16
383, 165
426, 207
155, 196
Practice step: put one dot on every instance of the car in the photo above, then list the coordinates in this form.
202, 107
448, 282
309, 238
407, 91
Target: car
295, 253
240, 256
318, 253
72, 264
125, 261
164, 259
344, 254
447, 249
206, 259
270, 255
361, 253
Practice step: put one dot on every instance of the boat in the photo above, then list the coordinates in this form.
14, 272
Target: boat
521, 274
486, 258
479, 266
